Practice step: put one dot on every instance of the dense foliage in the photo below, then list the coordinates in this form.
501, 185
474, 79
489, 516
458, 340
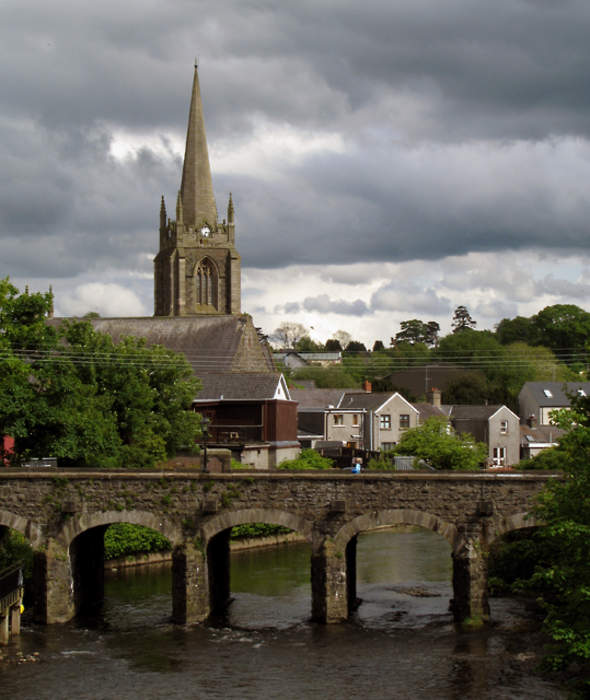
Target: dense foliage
307, 460
15, 548
555, 562
72, 393
565, 579
441, 448
254, 530
124, 539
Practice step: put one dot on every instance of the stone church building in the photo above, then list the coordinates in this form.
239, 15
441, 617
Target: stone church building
197, 311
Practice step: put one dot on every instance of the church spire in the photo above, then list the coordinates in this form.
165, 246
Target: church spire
198, 201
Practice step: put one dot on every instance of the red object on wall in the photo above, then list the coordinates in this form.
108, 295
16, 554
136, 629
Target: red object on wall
7, 446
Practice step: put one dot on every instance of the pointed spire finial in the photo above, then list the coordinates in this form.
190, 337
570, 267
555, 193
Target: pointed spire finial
198, 199
230, 210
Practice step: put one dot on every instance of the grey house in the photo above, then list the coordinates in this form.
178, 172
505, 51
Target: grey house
497, 426
537, 399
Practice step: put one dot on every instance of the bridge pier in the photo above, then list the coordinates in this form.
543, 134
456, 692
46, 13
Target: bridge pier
190, 587
53, 584
470, 583
329, 590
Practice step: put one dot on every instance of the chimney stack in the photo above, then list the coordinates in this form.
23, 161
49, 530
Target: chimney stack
367, 386
434, 397
532, 421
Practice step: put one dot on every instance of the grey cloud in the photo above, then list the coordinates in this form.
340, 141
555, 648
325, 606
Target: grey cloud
391, 297
561, 287
292, 308
324, 304
465, 127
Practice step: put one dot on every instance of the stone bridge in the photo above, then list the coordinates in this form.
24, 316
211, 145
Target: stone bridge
64, 514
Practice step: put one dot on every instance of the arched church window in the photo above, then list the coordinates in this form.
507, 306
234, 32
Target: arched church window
206, 283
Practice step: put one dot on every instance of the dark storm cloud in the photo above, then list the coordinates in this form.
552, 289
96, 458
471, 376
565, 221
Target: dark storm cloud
463, 126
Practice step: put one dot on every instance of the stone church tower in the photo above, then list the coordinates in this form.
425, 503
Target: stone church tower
197, 269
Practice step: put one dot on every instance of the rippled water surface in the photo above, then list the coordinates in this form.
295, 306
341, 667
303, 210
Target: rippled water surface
400, 643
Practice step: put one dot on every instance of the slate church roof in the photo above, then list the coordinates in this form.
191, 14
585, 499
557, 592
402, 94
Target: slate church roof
211, 344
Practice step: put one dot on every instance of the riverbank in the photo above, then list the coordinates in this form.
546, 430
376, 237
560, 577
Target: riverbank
147, 559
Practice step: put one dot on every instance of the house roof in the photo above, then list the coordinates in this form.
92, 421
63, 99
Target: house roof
540, 434
225, 343
242, 386
474, 412
370, 401
317, 398
554, 393
427, 410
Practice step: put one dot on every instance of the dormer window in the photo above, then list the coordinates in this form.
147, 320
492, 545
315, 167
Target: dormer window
548, 393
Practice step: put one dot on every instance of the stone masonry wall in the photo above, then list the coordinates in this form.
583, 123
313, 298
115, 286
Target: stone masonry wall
40, 504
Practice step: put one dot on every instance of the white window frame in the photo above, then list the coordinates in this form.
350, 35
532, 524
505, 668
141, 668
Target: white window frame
499, 456
503, 427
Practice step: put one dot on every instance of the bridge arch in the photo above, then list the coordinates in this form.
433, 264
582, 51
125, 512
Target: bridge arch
518, 521
79, 524
28, 528
272, 516
389, 518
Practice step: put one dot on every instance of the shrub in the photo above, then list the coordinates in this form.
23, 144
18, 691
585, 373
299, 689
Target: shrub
124, 539
308, 460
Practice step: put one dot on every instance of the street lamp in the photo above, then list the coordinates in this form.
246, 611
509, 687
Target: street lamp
205, 430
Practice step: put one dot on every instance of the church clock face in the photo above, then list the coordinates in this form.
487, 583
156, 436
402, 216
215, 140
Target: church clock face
205, 231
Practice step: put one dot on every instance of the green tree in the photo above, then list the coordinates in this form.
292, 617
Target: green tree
378, 346
288, 334
331, 377
437, 445
519, 329
333, 345
72, 393
355, 346
564, 576
416, 331
468, 388
462, 319
306, 344
563, 327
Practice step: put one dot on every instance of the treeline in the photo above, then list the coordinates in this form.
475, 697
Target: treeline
492, 365
72, 393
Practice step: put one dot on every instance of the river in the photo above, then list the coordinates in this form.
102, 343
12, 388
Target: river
401, 643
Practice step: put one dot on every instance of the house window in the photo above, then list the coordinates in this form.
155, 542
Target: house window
499, 458
355, 419
338, 419
385, 422
503, 427
404, 421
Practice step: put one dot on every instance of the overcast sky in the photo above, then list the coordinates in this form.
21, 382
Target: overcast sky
388, 160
